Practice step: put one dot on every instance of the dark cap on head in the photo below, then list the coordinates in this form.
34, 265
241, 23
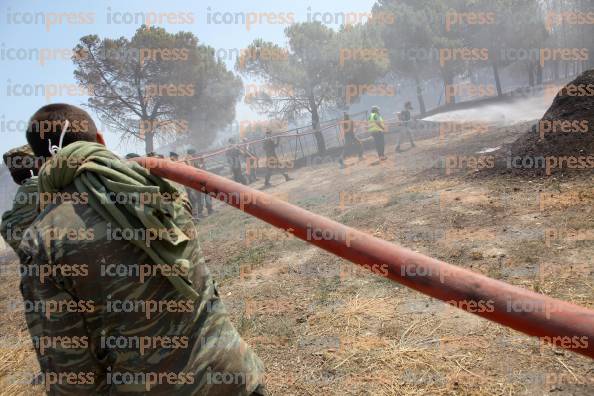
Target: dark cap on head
20, 161
173, 154
48, 122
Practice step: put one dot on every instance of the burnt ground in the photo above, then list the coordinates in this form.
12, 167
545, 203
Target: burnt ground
567, 127
323, 327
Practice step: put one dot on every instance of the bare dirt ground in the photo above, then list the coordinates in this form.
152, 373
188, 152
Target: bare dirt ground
18, 363
324, 327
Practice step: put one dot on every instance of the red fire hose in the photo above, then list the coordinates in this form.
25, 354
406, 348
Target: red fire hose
554, 321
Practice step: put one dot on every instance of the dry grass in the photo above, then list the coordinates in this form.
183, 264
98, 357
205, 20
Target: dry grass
323, 328
18, 364
338, 332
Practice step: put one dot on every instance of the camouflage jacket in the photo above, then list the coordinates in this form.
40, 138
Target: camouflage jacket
113, 321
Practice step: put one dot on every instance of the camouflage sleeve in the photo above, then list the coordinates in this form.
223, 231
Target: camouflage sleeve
8, 232
56, 322
24, 210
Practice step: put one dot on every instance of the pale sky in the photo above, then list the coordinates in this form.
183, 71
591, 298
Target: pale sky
27, 79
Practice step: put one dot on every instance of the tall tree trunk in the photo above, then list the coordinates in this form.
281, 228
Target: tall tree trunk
149, 138
538, 69
315, 122
147, 130
539, 73
448, 80
497, 79
420, 99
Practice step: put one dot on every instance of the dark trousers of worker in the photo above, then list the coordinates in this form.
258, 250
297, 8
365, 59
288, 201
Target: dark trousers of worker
378, 137
238, 175
405, 131
251, 165
199, 200
273, 165
202, 201
252, 176
352, 145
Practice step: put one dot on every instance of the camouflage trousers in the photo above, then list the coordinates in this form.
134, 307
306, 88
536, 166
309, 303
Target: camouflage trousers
94, 345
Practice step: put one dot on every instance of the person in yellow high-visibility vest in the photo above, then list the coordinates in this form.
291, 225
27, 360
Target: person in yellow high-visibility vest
377, 129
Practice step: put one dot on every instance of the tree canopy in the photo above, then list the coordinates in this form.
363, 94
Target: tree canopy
317, 67
157, 85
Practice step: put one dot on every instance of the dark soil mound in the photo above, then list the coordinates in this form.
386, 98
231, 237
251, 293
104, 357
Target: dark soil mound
567, 128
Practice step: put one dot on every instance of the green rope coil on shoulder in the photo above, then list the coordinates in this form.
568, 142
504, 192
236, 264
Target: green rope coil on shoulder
99, 174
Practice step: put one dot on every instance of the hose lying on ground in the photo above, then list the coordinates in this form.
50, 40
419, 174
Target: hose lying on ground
553, 321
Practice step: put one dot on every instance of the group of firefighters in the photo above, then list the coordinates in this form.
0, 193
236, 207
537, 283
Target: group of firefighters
377, 129
199, 200
238, 154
